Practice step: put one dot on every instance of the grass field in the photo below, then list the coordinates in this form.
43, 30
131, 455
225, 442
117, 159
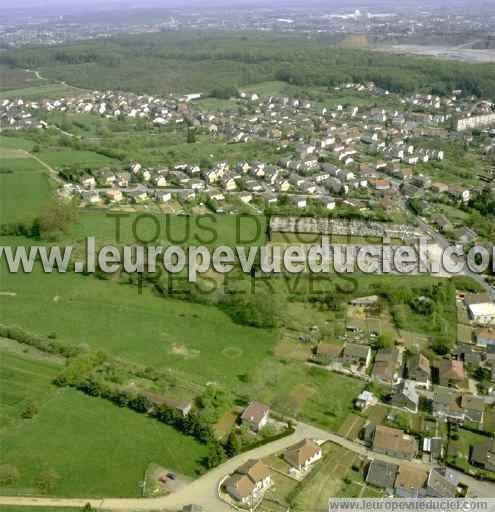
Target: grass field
44, 90
86, 159
164, 333
15, 143
212, 231
96, 448
24, 187
23, 380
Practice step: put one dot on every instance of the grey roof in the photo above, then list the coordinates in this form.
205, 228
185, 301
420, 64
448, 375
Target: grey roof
382, 474
442, 484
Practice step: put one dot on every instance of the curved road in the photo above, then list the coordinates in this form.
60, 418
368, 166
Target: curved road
204, 490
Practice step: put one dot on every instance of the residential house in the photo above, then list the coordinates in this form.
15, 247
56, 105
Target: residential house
451, 373
446, 405
387, 365
405, 396
122, 178
249, 482
114, 195
255, 416
483, 455
394, 442
326, 353
327, 202
381, 474
356, 354
419, 370
160, 180
459, 193
302, 455
88, 182
106, 177
245, 197
442, 483
298, 201
410, 480
163, 196
138, 196
473, 408
468, 353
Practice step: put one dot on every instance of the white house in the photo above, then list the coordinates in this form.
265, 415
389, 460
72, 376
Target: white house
302, 455
255, 416
249, 482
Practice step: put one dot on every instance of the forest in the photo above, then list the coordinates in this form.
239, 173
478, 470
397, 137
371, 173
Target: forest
173, 62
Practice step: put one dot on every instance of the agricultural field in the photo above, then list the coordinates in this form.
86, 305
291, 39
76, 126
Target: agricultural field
24, 186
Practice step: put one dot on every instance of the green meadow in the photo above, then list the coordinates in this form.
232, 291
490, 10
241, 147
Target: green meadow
169, 334
65, 157
24, 187
96, 448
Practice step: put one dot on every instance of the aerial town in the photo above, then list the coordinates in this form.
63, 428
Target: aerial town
246, 391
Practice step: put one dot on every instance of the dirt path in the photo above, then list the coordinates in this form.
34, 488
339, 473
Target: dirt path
53, 173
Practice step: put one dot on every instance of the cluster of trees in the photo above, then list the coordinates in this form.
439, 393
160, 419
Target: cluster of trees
83, 375
219, 62
435, 302
54, 221
48, 345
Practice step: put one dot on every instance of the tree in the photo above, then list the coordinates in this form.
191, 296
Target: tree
216, 455
57, 218
441, 345
233, 446
47, 480
385, 340
9, 475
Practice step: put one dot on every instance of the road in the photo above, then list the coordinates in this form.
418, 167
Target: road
204, 490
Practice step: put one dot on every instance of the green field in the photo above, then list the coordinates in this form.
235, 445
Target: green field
164, 333
15, 143
96, 448
24, 188
23, 380
211, 230
87, 159
44, 90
